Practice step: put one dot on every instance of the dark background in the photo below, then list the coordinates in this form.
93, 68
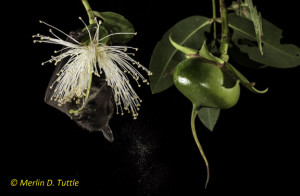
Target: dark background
253, 148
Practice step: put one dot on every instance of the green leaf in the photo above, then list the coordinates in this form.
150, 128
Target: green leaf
209, 117
181, 48
188, 32
242, 58
245, 82
247, 10
116, 23
275, 54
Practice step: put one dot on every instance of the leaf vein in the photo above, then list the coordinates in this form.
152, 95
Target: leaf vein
266, 43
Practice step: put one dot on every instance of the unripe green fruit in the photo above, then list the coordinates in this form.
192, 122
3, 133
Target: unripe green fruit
205, 84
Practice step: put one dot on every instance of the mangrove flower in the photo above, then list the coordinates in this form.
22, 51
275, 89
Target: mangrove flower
94, 58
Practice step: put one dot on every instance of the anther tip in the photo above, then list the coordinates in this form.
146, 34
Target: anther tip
40, 21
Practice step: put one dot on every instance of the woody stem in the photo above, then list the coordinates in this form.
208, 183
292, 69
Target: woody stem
225, 32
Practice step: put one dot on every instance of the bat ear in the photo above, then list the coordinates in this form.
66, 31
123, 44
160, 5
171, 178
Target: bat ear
107, 133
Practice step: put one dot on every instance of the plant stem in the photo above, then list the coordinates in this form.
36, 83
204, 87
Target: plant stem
193, 117
225, 32
214, 18
89, 11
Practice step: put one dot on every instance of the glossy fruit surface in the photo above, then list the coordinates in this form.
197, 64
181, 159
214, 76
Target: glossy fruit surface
205, 84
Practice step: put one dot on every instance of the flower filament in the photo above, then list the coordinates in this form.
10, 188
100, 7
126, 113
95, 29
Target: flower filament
115, 63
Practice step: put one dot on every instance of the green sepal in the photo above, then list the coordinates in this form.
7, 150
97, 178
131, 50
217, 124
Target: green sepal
181, 48
205, 53
245, 82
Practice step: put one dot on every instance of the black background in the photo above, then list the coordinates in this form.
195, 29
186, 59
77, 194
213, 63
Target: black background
253, 148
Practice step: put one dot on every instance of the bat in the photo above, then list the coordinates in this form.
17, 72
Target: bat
98, 108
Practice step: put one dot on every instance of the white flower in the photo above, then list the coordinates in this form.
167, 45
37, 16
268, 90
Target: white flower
74, 79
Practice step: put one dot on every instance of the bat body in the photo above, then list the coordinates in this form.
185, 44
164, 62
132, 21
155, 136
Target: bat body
98, 108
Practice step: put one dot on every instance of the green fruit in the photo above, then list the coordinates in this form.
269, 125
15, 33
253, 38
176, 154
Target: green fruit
205, 84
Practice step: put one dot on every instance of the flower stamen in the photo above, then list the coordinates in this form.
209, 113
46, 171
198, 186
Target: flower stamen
74, 80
